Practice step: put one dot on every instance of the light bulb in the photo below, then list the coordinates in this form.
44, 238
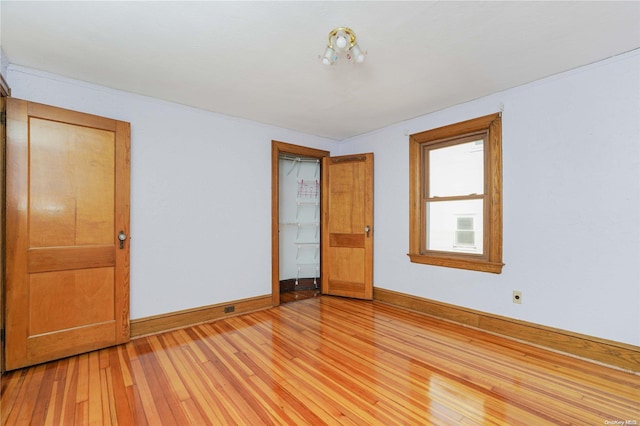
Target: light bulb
341, 42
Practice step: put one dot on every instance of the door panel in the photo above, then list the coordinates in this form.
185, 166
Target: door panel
88, 294
71, 198
347, 246
67, 276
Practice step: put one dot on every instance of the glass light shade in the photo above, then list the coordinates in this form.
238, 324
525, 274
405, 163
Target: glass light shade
341, 41
329, 57
357, 53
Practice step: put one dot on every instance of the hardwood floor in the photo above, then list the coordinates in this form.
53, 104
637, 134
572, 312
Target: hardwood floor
318, 361
295, 296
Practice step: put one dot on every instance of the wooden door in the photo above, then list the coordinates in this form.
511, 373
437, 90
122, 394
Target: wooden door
67, 274
347, 226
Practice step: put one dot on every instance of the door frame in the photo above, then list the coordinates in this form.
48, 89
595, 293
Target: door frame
278, 148
5, 92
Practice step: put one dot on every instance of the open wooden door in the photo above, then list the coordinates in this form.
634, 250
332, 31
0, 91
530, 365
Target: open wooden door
67, 215
347, 226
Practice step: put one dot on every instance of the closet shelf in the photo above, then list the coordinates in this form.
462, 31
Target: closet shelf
309, 263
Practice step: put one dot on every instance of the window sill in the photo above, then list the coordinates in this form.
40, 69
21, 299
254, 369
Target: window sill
472, 264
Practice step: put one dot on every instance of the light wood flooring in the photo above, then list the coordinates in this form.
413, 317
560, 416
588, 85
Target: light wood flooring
297, 295
323, 360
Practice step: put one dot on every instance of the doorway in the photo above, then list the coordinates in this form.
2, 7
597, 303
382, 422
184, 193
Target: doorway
342, 209
296, 221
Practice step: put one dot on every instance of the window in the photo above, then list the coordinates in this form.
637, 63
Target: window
456, 195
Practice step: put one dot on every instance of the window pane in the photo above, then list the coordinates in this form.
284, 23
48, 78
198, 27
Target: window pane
455, 226
456, 170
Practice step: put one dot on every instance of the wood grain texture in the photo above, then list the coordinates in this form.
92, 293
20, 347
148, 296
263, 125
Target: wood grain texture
187, 317
37, 110
321, 361
3, 109
347, 225
122, 223
491, 260
16, 191
347, 240
67, 194
612, 353
63, 258
71, 184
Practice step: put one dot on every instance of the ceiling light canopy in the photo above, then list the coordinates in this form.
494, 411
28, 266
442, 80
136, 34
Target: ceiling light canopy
342, 39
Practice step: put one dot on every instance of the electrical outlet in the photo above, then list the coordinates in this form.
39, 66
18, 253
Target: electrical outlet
229, 309
517, 297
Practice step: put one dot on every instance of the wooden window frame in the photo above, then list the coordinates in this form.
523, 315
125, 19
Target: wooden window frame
491, 258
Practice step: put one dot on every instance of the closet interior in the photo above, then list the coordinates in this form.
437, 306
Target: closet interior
299, 217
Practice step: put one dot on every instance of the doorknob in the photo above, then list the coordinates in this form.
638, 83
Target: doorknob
366, 230
122, 237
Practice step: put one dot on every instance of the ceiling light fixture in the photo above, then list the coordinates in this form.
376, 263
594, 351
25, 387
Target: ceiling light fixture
341, 39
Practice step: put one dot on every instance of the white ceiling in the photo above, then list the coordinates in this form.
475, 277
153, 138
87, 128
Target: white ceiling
259, 60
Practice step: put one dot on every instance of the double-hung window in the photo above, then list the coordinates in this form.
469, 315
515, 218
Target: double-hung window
456, 195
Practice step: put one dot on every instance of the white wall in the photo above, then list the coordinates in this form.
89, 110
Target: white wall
200, 193
571, 159
4, 63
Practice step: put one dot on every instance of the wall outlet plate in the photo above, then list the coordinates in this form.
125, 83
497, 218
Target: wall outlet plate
517, 296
